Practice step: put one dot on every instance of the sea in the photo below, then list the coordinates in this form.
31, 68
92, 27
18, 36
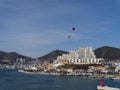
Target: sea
14, 80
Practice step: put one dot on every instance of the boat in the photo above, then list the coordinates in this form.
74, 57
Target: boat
115, 78
106, 88
103, 87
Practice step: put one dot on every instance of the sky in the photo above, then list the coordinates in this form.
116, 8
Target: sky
36, 27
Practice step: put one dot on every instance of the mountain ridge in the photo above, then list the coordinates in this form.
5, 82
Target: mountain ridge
107, 52
52, 55
11, 57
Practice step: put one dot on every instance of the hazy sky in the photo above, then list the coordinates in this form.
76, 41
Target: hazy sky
37, 27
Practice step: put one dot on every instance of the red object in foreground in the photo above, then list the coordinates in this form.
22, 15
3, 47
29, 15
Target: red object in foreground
102, 82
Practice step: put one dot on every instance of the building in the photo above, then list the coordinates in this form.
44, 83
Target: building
81, 56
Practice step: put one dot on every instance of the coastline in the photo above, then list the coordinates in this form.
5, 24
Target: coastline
110, 77
44, 73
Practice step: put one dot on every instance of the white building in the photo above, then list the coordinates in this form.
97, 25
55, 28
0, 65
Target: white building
81, 56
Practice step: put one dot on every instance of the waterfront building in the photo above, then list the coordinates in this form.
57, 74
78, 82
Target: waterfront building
80, 56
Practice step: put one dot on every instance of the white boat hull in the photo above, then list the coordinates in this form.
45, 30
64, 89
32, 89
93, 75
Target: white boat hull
106, 88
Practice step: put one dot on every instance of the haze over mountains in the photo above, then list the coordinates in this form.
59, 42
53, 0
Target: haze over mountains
109, 53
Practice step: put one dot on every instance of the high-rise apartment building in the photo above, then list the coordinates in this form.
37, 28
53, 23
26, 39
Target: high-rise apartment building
81, 56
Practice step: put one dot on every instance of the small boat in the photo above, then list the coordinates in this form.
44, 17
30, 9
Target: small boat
106, 88
103, 87
115, 78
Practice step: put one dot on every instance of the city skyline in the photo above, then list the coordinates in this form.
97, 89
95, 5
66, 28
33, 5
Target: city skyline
37, 27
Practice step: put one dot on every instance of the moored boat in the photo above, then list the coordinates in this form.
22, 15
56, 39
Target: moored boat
115, 78
106, 88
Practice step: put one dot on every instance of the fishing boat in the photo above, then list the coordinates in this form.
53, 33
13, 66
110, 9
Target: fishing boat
115, 78
103, 87
106, 88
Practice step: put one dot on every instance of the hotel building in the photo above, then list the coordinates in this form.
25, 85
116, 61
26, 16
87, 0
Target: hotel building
81, 56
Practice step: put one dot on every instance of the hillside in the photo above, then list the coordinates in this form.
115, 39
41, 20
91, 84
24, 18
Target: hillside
108, 52
52, 55
10, 57
2, 54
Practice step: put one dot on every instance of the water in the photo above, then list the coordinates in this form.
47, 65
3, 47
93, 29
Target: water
14, 80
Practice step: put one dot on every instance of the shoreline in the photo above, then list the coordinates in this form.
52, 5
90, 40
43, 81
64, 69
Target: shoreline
44, 73
59, 74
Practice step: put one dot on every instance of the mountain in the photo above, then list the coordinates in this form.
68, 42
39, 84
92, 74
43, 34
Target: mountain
107, 52
2, 54
10, 57
52, 55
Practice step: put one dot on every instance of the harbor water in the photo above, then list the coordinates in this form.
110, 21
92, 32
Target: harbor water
14, 80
